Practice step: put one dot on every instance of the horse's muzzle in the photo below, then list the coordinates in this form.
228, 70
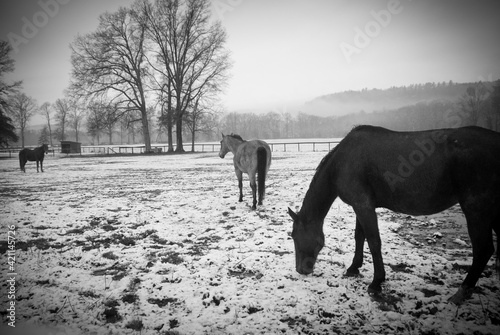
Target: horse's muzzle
304, 271
305, 265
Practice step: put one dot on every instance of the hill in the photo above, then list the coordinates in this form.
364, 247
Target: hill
368, 101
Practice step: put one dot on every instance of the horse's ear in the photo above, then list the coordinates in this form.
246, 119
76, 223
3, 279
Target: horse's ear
222, 134
293, 215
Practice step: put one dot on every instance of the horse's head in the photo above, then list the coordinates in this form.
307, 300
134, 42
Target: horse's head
309, 239
45, 148
224, 147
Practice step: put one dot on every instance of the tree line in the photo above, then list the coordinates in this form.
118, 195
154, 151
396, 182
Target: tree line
153, 72
477, 104
162, 62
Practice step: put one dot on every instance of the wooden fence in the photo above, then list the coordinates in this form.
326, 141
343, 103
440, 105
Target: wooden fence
288, 146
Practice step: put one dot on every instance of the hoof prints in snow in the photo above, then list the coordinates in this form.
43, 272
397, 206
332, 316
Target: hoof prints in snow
161, 245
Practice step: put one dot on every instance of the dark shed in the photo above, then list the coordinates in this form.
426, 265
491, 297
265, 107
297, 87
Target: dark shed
69, 147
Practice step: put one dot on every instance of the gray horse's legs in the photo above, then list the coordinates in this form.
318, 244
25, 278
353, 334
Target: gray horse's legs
239, 175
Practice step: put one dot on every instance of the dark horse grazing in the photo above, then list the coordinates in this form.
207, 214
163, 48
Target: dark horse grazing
250, 157
36, 154
415, 173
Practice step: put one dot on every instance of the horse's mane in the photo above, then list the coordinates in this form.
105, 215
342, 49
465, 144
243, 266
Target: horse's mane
325, 159
236, 136
323, 163
368, 128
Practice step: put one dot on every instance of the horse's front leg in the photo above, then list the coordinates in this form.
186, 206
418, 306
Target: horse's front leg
41, 166
37, 166
367, 218
239, 175
359, 237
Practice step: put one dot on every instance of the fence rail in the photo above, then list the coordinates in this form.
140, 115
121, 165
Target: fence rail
290, 146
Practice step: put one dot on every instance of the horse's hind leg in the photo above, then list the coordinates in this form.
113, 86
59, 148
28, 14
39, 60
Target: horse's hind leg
481, 236
253, 185
239, 175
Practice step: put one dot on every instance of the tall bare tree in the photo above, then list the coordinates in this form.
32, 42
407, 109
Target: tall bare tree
110, 63
6, 66
46, 110
202, 117
7, 90
94, 120
495, 106
62, 107
75, 118
472, 102
22, 107
189, 49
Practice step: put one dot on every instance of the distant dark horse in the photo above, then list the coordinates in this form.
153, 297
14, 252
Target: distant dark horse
250, 157
415, 173
36, 154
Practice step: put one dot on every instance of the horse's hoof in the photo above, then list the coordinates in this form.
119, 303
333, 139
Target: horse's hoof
352, 273
462, 294
374, 289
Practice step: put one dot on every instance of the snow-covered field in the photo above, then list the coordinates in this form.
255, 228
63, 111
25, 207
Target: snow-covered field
160, 245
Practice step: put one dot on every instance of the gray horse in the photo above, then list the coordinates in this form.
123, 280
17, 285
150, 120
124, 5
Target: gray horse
250, 157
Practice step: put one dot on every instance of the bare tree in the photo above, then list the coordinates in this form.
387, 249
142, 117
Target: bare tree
95, 116
472, 102
62, 107
495, 106
44, 136
110, 62
22, 108
46, 110
202, 117
6, 66
75, 117
7, 129
190, 51
111, 116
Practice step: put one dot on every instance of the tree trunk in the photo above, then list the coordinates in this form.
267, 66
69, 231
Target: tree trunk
192, 138
178, 129
50, 130
145, 129
170, 135
170, 126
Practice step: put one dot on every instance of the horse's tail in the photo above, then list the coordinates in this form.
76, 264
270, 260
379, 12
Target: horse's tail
261, 170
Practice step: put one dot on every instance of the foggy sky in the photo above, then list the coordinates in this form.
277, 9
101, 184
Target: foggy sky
286, 52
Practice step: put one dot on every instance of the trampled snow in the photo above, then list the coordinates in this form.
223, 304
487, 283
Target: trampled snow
159, 244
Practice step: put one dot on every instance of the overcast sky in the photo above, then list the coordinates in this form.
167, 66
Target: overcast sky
286, 52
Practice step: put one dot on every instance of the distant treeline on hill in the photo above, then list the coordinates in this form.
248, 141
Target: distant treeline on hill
371, 100
415, 107
418, 107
